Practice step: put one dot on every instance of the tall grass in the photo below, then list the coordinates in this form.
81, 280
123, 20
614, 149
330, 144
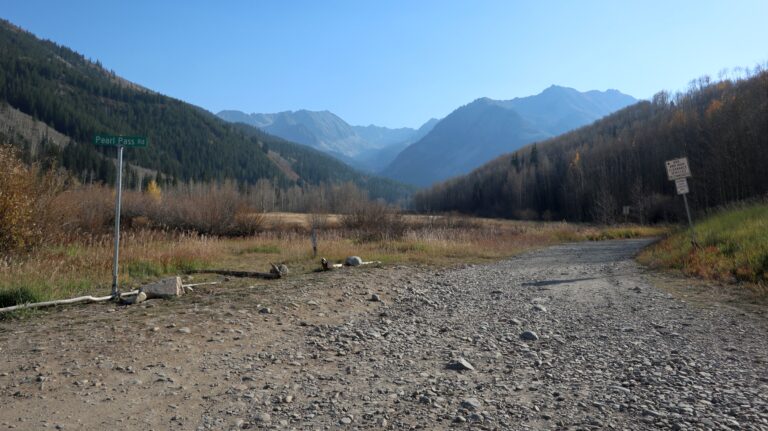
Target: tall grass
733, 246
84, 265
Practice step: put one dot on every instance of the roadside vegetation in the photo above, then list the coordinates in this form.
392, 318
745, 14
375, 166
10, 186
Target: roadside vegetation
56, 237
83, 266
733, 247
56, 234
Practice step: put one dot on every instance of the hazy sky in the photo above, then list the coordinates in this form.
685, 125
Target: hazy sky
398, 63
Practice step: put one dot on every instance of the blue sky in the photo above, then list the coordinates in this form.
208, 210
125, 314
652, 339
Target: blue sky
398, 63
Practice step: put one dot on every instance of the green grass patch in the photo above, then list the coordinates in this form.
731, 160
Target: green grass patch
38, 291
733, 246
144, 269
407, 247
18, 295
624, 232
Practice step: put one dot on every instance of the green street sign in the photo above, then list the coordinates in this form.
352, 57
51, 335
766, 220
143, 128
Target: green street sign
120, 141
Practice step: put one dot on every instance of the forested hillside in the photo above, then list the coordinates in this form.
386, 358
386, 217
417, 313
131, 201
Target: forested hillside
79, 98
590, 173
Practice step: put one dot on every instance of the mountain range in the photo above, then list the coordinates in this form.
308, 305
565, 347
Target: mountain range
484, 129
369, 148
76, 98
468, 137
614, 169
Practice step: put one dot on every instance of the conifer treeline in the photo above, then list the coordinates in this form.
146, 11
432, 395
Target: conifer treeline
591, 173
79, 98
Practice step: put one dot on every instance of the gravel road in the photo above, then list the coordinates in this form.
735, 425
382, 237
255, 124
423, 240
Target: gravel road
575, 336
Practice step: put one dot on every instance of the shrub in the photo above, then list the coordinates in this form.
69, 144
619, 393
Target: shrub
375, 221
26, 195
85, 209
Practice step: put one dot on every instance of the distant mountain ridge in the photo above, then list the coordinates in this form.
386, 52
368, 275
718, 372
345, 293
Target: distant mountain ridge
560, 109
322, 130
365, 147
485, 128
375, 161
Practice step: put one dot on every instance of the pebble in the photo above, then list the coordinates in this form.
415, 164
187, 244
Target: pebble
386, 367
460, 364
263, 417
470, 404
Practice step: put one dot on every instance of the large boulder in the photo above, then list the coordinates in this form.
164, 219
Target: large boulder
353, 261
165, 288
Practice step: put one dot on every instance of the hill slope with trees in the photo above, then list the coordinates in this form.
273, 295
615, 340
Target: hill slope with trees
590, 173
478, 132
79, 98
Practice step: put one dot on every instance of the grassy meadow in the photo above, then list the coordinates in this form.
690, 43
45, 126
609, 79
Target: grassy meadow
84, 265
733, 246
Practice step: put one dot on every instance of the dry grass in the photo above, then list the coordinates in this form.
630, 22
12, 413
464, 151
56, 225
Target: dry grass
84, 266
733, 247
55, 241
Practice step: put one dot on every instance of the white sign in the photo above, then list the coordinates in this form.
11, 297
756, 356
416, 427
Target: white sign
678, 168
625, 210
682, 186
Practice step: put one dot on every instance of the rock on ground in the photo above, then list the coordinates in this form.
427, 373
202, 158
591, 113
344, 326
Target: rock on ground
614, 352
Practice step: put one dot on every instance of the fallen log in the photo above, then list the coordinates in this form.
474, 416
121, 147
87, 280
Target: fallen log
241, 274
327, 266
205, 283
89, 299
277, 271
79, 299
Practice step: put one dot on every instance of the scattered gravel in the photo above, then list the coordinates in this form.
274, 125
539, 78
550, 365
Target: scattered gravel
448, 349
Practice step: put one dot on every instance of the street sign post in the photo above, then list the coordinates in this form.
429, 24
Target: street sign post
120, 142
679, 171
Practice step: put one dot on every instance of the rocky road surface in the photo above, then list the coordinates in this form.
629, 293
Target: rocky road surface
575, 336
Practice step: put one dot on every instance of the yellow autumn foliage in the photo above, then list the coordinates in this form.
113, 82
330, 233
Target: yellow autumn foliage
153, 191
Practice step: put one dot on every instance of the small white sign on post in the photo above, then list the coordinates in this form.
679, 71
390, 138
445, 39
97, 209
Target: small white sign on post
678, 171
678, 168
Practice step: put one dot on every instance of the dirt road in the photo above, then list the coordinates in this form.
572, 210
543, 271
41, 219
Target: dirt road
605, 349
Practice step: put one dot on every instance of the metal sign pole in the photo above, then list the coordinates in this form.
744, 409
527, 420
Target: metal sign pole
313, 236
120, 142
679, 172
118, 198
690, 222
